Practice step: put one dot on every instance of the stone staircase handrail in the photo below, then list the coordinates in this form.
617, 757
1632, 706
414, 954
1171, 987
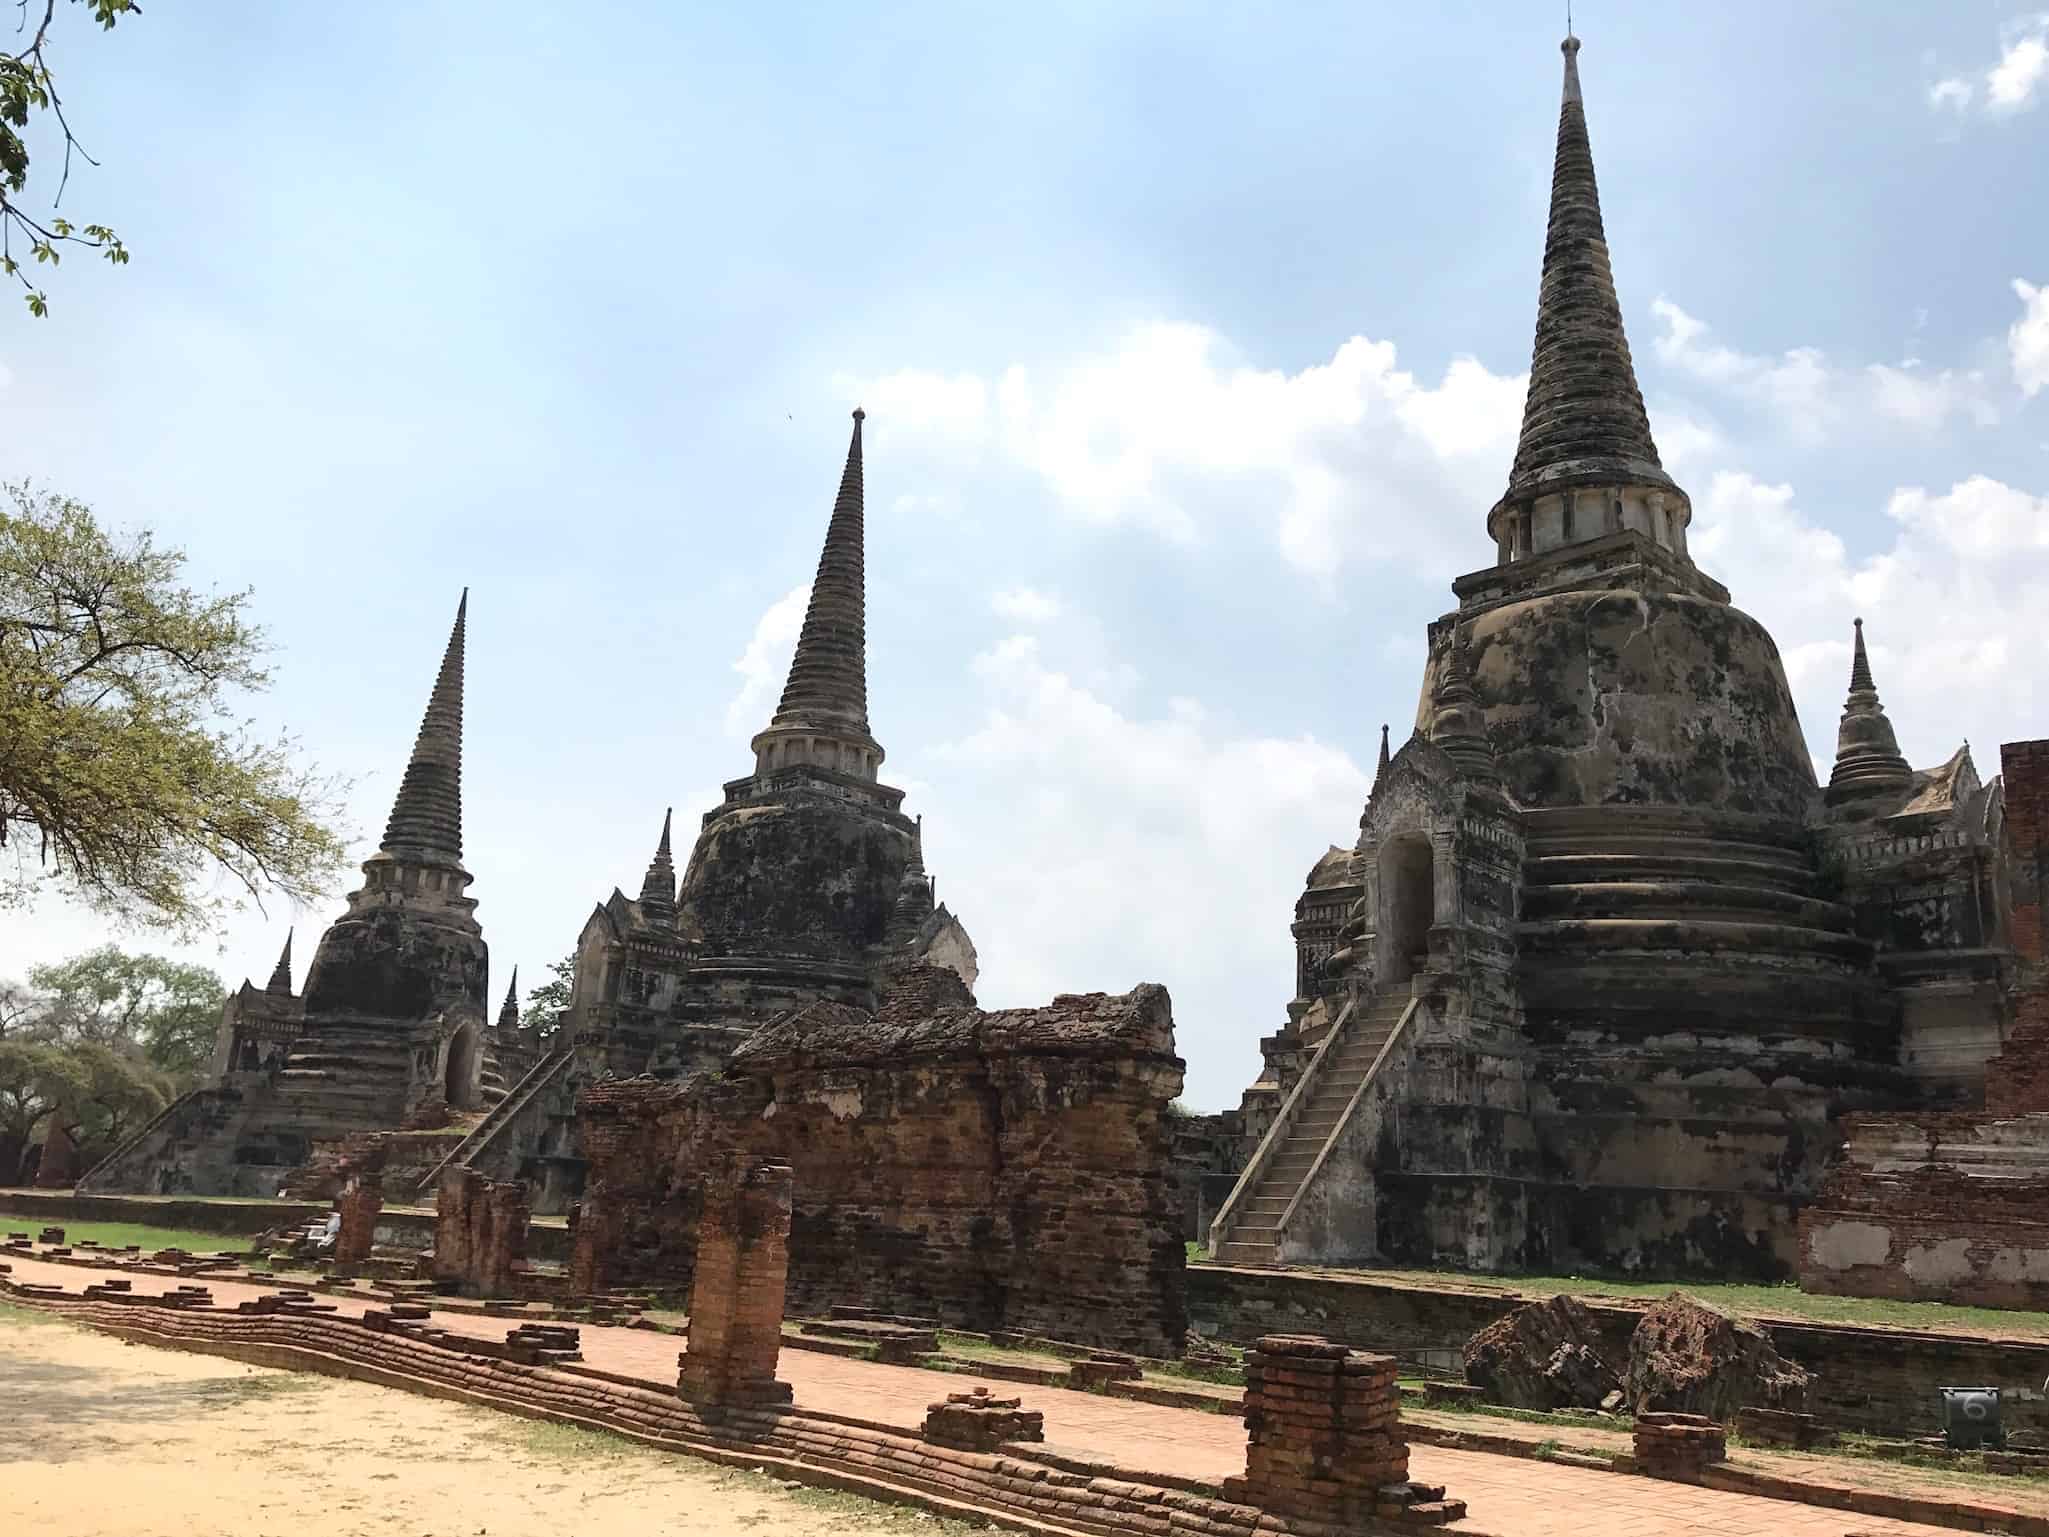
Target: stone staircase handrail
523, 1091
128, 1144
1276, 1134
1351, 1105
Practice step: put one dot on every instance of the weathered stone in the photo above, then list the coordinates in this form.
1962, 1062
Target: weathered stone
1687, 1358
738, 1291
1547, 1355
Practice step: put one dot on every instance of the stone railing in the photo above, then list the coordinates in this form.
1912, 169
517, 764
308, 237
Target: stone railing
502, 1114
1277, 1133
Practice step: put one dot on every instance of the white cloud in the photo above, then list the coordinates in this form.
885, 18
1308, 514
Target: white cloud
2023, 65
1951, 605
1095, 848
1807, 394
2027, 340
1348, 459
2013, 83
1025, 605
1953, 94
766, 662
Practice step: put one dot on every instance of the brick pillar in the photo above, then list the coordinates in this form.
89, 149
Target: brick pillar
590, 1246
2017, 1080
359, 1206
500, 1249
736, 1294
460, 1190
1326, 1441
480, 1232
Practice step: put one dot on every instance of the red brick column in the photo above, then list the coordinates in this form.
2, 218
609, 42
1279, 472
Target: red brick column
590, 1247
736, 1295
480, 1232
359, 1206
2017, 1080
1326, 1441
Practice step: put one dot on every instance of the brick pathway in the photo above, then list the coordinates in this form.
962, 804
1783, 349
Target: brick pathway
1506, 1496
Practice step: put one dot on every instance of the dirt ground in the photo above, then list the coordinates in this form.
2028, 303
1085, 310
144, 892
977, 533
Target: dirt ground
99, 1438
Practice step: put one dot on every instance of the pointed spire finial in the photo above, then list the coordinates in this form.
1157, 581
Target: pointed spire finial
1584, 423
1457, 725
1868, 760
826, 697
426, 816
508, 1016
658, 887
281, 974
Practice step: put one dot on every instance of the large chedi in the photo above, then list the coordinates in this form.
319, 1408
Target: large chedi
1594, 980
807, 884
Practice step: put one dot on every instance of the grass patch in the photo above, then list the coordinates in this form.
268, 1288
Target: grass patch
12, 1313
118, 1235
241, 1390
1744, 1300
1197, 1251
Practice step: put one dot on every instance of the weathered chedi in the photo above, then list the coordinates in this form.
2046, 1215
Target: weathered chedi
390, 1029
806, 884
1605, 961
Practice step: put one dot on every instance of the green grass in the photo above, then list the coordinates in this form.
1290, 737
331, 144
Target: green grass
118, 1235
1741, 1300
13, 1313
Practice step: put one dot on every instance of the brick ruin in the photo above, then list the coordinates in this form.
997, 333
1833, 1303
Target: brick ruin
480, 1234
992, 1170
738, 1290
390, 1032
1607, 964
1953, 1205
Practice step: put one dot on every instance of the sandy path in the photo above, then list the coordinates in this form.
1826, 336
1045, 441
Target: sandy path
100, 1438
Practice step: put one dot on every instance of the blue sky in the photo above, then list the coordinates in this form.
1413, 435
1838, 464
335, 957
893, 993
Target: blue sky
1192, 342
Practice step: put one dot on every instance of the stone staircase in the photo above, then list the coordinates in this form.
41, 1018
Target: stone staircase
503, 1114
1286, 1160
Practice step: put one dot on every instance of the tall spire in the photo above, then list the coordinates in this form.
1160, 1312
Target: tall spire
1584, 423
658, 888
823, 717
281, 974
1380, 768
508, 1016
426, 818
1868, 761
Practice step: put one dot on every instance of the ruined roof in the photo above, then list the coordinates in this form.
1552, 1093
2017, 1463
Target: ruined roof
1941, 790
826, 1035
828, 683
1583, 417
1334, 868
426, 817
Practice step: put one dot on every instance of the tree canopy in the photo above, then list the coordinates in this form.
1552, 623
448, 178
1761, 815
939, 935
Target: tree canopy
102, 1041
123, 779
547, 1004
28, 89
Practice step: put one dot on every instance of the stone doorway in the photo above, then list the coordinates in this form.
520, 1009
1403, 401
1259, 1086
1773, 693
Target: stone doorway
1408, 906
465, 1067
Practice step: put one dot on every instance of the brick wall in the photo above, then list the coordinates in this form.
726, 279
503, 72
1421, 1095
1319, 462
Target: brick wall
2018, 1078
480, 1233
999, 1170
360, 1206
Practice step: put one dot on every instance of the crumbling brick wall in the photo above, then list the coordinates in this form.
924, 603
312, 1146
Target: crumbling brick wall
360, 1204
480, 1233
1002, 1170
2017, 1080
738, 1294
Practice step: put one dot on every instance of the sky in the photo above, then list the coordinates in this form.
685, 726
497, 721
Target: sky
1192, 341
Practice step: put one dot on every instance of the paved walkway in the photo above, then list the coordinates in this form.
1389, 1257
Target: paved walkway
1508, 1496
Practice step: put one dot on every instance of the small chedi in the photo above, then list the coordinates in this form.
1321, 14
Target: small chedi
1607, 964
390, 1032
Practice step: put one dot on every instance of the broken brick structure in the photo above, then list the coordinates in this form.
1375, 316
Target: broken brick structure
992, 1170
806, 884
1607, 963
1952, 1205
1325, 1441
480, 1234
739, 1286
360, 1205
391, 1030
